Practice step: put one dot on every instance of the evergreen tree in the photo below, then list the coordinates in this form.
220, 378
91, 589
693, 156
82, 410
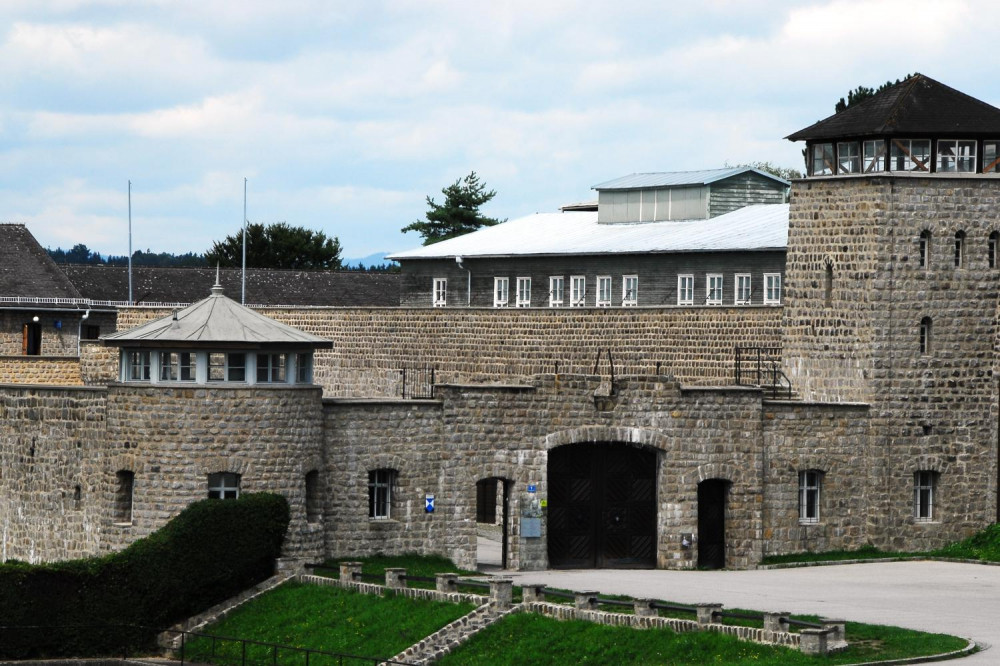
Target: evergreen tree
459, 214
277, 245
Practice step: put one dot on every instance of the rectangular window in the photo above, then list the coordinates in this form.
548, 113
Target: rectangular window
910, 155
603, 291
848, 157
991, 250
223, 485
713, 289
991, 156
924, 484
874, 156
772, 288
91, 332
742, 289
957, 156
270, 368
557, 289
380, 482
523, 292
138, 366
822, 159
685, 290
177, 367
440, 292
578, 291
809, 486
630, 290
925, 248
123, 496
501, 292
303, 368
227, 367
959, 249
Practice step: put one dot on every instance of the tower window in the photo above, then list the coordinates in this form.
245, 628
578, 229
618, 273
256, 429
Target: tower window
125, 485
380, 483
924, 485
925, 335
828, 286
314, 501
809, 487
223, 485
959, 249
925, 248
991, 249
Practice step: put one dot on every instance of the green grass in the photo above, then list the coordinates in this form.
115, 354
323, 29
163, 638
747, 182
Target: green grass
528, 638
327, 619
863, 553
983, 546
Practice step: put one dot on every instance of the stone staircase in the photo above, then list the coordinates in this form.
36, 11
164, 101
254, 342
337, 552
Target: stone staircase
446, 639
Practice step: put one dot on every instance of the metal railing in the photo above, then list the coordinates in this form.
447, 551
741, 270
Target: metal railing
761, 366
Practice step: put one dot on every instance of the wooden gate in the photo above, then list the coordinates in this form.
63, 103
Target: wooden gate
602, 506
712, 523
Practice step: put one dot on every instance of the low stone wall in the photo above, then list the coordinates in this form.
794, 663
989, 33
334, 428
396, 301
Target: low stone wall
41, 370
98, 363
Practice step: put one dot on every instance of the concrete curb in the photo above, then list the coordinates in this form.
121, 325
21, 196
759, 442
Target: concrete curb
944, 656
873, 560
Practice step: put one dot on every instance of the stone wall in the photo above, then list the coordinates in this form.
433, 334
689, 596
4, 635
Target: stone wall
60, 331
98, 363
40, 370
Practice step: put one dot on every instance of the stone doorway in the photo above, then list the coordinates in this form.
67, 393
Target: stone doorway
712, 496
493, 522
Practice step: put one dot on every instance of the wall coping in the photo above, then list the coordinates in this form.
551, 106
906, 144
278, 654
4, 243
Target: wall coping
54, 387
773, 402
733, 388
225, 386
375, 400
488, 387
38, 357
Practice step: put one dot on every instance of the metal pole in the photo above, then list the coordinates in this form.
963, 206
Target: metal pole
130, 242
243, 293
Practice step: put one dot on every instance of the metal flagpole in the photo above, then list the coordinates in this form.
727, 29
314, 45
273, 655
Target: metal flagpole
130, 242
243, 295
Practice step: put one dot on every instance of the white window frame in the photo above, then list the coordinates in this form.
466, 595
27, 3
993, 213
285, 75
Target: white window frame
557, 290
772, 288
713, 289
501, 292
743, 292
924, 249
956, 161
822, 162
924, 489
959, 249
603, 291
524, 292
303, 368
848, 157
873, 156
578, 291
272, 368
991, 249
630, 290
685, 289
380, 483
223, 485
229, 368
991, 156
903, 150
439, 292
810, 488
172, 370
138, 365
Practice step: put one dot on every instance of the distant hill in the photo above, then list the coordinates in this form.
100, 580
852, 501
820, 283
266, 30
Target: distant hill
377, 259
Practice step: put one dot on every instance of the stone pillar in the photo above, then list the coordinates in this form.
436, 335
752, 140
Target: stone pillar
813, 641
348, 571
707, 612
533, 592
394, 577
289, 565
501, 592
585, 600
446, 582
837, 640
644, 608
776, 622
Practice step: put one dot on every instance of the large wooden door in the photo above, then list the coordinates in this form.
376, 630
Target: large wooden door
712, 523
602, 506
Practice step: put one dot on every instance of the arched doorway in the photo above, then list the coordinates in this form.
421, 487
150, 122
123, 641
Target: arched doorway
493, 521
712, 496
602, 506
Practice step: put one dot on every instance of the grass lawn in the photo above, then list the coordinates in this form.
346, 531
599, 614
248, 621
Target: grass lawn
327, 619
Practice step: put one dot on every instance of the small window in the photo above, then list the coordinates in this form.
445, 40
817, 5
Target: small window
828, 286
685, 290
177, 367
874, 156
603, 291
809, 489
925, 248
848, 157
991, 249
991, 156
523, 292
957, 156
772, 288
557, 291
303, 368
124, 489
314, 503
959, 249
924, 486
91, 332
822, 159
713, 289
925, 335
227, 367
501, 292
439, 292
380, 483
138, 366
630, 290
270, 368
742, 289
578, 293
223, 485
910, 155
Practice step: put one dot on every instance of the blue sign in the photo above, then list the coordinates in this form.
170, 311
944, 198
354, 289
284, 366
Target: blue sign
429, 504
531, 488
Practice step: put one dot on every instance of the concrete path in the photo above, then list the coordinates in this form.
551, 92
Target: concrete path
959, 599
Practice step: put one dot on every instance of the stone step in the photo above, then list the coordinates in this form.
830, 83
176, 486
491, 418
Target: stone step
451, 636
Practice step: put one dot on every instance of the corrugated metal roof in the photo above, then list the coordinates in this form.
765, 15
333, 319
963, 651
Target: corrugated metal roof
759, 227
217, 320
637, 181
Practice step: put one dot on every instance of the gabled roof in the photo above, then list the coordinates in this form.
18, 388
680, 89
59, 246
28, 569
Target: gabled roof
217, 322
27, 270
264, 286
917, 106
758, 227
637, 181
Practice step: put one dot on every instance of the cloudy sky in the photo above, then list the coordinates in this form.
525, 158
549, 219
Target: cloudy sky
344, 115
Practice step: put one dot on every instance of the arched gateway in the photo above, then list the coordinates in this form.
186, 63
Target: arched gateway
602, 506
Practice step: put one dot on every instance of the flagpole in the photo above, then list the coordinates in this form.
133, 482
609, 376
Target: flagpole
243, 295
130, 242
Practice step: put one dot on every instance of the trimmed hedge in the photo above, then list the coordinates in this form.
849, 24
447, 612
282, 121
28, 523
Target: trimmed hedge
211, 551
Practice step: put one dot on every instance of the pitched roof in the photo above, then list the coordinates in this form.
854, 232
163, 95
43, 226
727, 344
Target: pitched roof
217, 321
27, 270
680, 178
917, 106
758, 227
264, 286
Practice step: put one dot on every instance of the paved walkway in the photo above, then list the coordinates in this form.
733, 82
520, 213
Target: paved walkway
959, 599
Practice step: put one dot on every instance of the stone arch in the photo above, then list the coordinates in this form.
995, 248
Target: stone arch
929, 462
124, 462
310, 463
233, 464
724, 471
600, 433
383, 461
816, 462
